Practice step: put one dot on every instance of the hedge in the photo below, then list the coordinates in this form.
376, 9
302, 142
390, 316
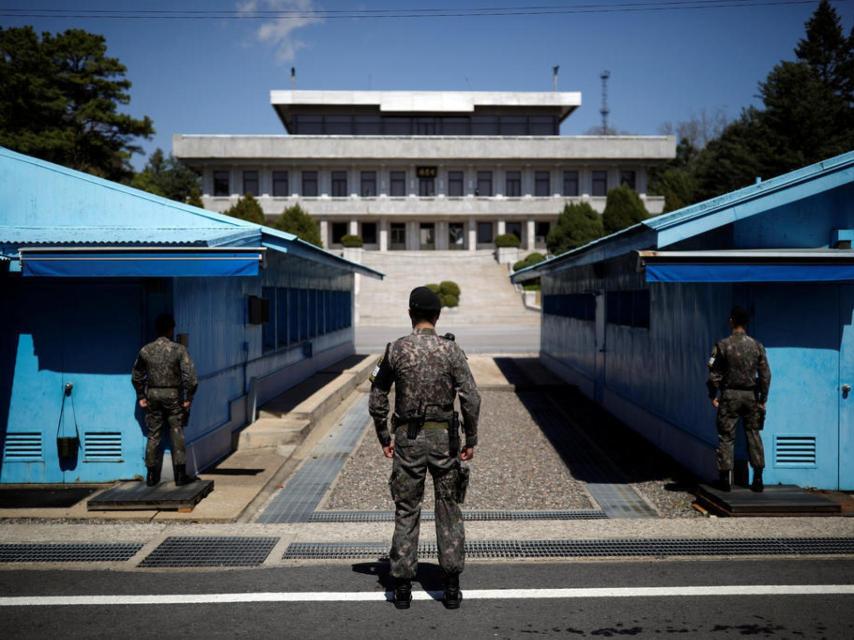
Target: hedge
351, 241
507, 240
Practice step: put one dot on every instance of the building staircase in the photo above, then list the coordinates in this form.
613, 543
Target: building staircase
487, 297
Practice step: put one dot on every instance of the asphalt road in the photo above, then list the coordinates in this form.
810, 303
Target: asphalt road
673, 616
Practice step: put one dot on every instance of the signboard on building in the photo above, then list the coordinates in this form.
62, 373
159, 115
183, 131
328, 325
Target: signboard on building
426, 172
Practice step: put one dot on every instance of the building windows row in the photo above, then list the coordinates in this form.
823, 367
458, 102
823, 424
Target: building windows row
368, 187
581, 306
297, 315
628, 308
375, 125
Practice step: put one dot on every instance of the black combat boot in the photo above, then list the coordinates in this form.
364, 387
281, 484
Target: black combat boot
181, 477
453, 595
153, 476
402, 594
758, 486
724, 482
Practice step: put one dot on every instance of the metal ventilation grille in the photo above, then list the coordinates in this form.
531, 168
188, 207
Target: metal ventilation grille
23, 447
82, 552
388, 516
210, 551
659, 547
102, 446
795, 451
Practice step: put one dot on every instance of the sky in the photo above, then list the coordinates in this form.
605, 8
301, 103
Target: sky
214, 75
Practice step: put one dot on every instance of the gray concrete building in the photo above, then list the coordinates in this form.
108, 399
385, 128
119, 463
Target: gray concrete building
421, 170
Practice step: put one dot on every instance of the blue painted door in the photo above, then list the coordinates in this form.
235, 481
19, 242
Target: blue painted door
601, 348
846, 388
85, 335
800, 328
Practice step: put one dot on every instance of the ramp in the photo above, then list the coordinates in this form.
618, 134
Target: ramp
776, 500
131, 496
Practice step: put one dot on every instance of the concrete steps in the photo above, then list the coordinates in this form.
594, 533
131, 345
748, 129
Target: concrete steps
487, 295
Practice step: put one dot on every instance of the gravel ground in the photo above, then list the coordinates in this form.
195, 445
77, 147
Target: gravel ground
515, 467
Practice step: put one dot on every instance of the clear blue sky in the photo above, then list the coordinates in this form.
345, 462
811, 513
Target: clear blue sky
214, 76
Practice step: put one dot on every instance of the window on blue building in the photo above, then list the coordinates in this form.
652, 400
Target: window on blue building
628, 308
581, 306
268, 329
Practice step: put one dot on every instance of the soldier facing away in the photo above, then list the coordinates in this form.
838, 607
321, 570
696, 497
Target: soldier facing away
165, 381
427, 371
738, 370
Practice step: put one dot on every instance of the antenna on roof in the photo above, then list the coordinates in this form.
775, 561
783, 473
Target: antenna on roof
293, 78
555, 70
604, 110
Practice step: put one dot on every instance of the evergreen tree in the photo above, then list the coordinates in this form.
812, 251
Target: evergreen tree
59, 101
577, 224
297, 221
247, 208
623, 208
168, 177
196, 201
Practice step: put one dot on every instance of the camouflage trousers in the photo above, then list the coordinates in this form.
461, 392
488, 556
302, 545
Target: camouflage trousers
735, 404
412, 459
164, 408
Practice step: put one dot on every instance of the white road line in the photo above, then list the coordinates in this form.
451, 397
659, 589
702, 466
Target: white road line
469, 594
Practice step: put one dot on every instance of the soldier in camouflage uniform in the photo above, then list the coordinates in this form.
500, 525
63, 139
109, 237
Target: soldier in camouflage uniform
738, 370
165, 381
427, 371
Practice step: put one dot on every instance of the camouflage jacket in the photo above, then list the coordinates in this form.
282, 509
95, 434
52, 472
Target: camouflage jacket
427, 372
739, 362
164, 363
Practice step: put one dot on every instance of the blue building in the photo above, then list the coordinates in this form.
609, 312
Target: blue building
85, 267
631, 318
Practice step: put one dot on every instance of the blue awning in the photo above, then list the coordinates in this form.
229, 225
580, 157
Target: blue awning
131, 262
823, 265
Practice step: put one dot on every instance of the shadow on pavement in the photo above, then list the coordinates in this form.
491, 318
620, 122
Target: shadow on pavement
429, 576
594, 445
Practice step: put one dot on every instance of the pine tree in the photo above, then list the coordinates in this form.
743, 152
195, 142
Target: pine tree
247, 208
297, 221
623, 208
168, 177
577, 225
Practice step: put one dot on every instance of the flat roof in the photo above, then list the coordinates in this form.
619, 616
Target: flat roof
563, 102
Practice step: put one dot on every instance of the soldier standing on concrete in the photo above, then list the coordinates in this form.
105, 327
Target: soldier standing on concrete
165, 381
738, 369
427, 371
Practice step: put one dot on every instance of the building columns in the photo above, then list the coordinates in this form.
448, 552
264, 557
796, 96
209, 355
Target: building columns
472, 232
502, 228
531, 233
324, 234
383, 235
354, 228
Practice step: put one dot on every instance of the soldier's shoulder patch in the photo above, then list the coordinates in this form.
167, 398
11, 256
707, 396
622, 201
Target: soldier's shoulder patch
376, 370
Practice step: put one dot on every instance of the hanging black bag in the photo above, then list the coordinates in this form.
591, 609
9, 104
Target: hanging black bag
67, 446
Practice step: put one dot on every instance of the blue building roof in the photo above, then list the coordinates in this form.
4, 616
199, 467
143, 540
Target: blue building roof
44, 204
676, 226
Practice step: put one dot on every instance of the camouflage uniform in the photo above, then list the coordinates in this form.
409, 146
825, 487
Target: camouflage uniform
164, 375
739, 369
427, 372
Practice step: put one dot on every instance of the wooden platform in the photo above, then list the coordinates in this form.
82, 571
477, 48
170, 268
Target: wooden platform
165, 496
776, 500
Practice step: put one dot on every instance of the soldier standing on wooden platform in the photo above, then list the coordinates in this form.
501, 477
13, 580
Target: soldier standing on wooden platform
428, 371
165, 381
738, 370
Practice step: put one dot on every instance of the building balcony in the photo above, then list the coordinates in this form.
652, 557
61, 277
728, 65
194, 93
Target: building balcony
438, 207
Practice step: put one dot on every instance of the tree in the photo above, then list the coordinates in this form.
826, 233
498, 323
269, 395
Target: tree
297, 221
577, 225
168, 177
247, 208
59, 100
196, 201
623, 208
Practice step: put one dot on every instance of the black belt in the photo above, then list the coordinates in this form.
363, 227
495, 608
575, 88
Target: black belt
731, 388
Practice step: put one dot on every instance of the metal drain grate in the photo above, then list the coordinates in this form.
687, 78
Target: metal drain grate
211, 551
304, 491
388, 516
586, 548
68, 552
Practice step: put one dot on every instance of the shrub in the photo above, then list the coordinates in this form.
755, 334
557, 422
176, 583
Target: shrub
449, 300
297, 221
531, 259
449, 287
351, 241
532, 286
623, 208
434, 288
195, 200
577, 225
507, 240
247, 208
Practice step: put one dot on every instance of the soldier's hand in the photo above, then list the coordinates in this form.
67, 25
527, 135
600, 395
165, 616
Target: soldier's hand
388, 451
715, 402
467, 454
143, 403
186, 404
762, 406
